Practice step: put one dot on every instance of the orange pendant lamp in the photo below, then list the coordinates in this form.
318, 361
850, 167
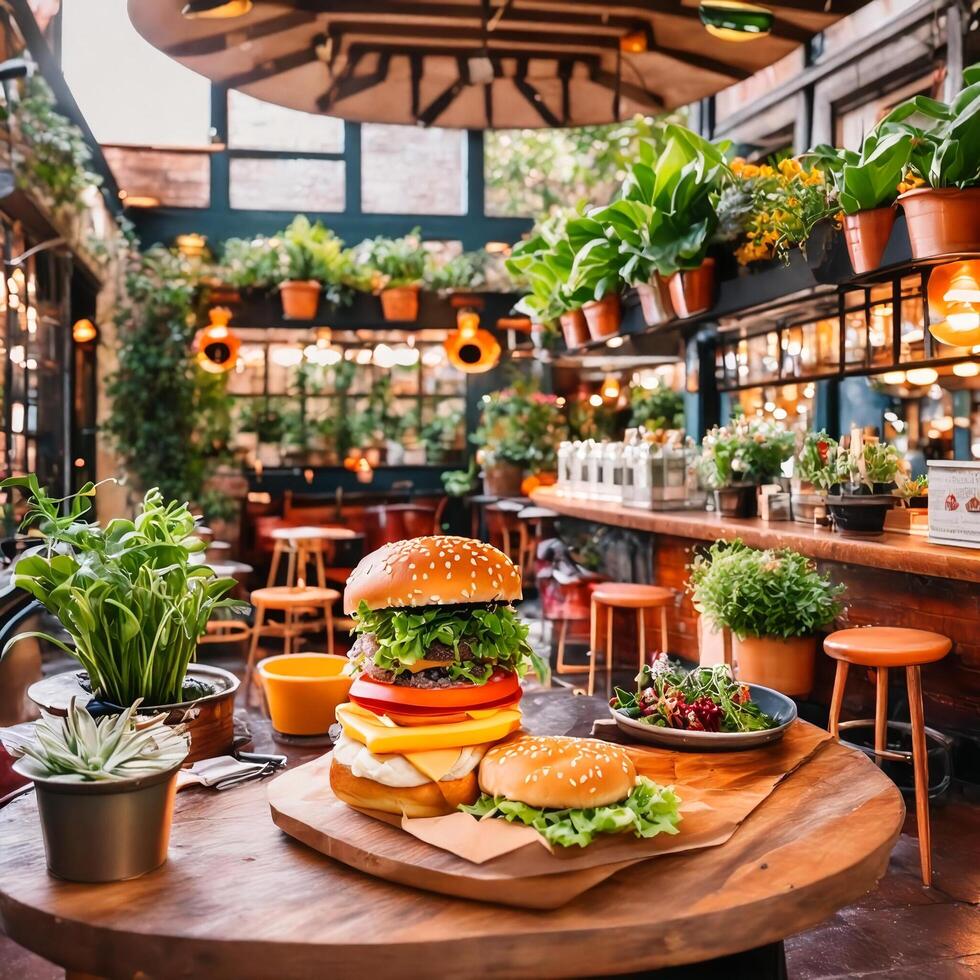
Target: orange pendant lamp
470, 349
216, 345
954, 302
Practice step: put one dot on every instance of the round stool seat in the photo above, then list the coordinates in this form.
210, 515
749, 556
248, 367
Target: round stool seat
312, 534
625, 595
287, 597
536, 513
887, 646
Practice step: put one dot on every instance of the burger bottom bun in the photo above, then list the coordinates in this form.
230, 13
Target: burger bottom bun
428, 800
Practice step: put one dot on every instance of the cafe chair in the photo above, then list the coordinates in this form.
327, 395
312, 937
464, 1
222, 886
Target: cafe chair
879, 648
302, 546
607, 597
290, 601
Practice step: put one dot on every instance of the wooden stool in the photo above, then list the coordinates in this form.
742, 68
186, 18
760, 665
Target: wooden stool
289, 601
610, 596
301, 545
881, 647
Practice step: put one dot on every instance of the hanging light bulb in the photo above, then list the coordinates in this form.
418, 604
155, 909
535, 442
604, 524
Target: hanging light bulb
595, 401
966, 369
954, 300
83, 331
893, 378
610, 388
216, 345
731, 20
286, 356
471, 349
922, 376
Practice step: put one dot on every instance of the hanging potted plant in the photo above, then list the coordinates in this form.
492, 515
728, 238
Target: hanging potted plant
774, 602
866, 474
134, 606
942, 205
737, 457
459, 275
105, 790
813, 475
664, 220
398, 266
300, 291
594, 278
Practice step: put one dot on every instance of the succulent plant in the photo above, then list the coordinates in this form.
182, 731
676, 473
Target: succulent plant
79, 748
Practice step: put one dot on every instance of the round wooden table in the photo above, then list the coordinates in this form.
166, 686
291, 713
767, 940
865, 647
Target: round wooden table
238, 898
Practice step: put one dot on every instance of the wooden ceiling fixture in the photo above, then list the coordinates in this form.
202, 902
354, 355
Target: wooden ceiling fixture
481, 64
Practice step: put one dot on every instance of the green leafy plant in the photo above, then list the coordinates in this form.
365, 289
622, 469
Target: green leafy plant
815, 460
744, 451
79, 749
394, 262
917, 486
465, 271
127, 594
458, 483
771, 593
649, 810
440, 434
544, 262
520, 425
315, 252
665, 217
862, 468
869, 179
253, 263
266, 417
656, 408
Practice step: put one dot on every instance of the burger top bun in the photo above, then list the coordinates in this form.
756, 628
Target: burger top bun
440, 570
558, 771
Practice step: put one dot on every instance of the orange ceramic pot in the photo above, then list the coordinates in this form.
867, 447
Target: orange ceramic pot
603, 316
400, 302
655, 301
303, 691
574, 328
942, 221
503, 480
300, 299
692, 291
784, 665
867, 235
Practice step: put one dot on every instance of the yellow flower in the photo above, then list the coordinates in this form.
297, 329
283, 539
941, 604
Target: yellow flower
766, 171
790, 167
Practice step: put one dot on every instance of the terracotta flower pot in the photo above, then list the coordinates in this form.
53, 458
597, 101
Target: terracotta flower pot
784, 665
604, 316
300, 299
400, 302
867, 235
574, 328
692, 291
942, 221
502, 480
655, 301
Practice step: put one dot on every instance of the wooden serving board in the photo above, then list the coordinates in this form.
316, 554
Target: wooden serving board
720, 793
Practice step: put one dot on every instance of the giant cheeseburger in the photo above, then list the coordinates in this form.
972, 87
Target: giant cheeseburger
438, 657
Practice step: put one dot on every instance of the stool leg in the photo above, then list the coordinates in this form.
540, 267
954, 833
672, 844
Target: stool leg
274, 564
881, 713
594, 644
837, 700
291, 567
321, 571
663, 629
641, 632
328, 620
920, 764
562, 636
610, 617
252, 649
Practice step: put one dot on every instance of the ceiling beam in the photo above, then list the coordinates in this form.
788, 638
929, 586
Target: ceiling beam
234, 37
350, 84
437, 33
635, 93
272, 67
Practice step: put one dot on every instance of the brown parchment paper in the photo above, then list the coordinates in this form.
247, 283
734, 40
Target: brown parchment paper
718, 791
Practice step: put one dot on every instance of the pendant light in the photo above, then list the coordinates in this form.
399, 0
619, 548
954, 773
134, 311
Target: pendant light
731, 20
610, 388
215, 9
83, 331
954, 300
470, 349
216, 345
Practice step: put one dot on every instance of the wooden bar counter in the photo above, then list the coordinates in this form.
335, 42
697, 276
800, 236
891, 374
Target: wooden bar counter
891, 579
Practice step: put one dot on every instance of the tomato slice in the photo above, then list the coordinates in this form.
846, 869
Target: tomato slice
418, 711
502, 686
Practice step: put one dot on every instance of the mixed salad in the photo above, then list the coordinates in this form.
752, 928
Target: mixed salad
706, 699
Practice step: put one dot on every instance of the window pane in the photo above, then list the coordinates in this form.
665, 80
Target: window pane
287, 185
180, 180
128, 91
255, 125
406, 170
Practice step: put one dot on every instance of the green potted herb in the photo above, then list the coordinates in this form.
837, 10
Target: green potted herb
737, 457
105, 790
134, 606
774, 602
866, 476
813, 475
253, 263
595, 276
398, 268
440, 435
916, 491
463, 273
665, 217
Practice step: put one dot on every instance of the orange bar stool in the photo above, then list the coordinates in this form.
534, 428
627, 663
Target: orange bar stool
606, 599
882, 647
289, 601
302, 545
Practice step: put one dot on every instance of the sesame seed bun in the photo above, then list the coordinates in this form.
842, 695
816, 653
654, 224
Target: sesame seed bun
557, 771
440, 570
428, 800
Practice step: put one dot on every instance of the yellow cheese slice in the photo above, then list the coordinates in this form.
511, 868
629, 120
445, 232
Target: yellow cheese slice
425, 665
367, 728
436, 763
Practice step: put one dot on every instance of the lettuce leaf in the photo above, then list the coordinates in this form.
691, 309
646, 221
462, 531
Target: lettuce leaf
649, 810
494, 634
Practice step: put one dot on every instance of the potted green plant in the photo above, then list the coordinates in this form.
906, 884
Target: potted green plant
866, 476
867, 187
398, 267
134, 606
774, 602
915, 492
813, 475
253, 263
439, 436
463, 273
594, 278
665, 217
943, 210
656, 408
105, 790
737, 457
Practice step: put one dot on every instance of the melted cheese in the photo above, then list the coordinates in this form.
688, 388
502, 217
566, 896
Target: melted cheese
435, 763
411, 769
370, 730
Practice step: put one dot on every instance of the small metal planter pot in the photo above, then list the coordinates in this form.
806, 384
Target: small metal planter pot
859, 513
104, 831
737, 500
